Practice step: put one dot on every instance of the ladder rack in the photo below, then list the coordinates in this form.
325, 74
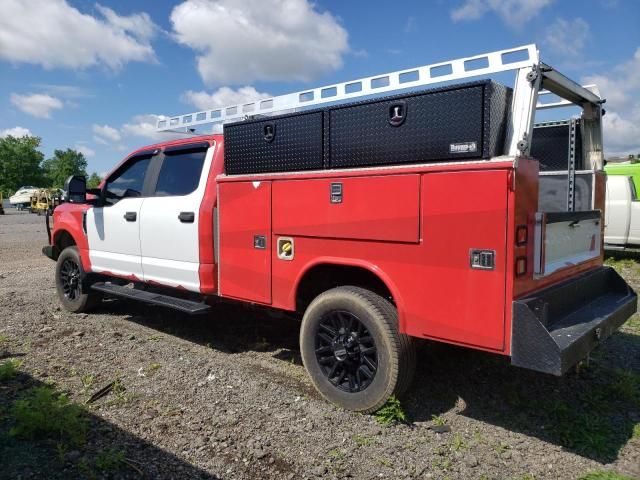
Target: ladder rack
531, 76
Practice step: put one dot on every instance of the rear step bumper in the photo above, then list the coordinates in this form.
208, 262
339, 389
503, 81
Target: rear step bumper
181, 304
555, 328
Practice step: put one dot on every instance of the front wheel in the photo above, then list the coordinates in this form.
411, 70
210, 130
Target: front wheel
352, 349
69, 283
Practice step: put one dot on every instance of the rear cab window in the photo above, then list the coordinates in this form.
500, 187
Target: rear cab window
180, 171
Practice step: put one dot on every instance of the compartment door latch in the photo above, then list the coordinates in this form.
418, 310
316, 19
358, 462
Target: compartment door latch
482, 259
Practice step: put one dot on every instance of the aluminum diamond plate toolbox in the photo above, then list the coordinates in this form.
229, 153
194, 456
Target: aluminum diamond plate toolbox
465, 121
274, 144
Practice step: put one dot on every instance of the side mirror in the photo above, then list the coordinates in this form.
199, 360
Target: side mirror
75, 189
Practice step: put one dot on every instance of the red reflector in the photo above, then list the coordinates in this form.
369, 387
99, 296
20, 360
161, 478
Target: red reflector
521, 266
521, 235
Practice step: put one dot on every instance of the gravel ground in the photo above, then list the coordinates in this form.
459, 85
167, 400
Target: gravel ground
225, 396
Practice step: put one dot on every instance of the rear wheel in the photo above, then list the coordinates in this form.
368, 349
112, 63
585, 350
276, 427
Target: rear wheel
353, 351
69, 283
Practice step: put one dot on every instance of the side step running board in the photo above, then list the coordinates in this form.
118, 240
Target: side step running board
183, 305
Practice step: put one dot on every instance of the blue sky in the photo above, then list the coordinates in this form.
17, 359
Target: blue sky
94, 76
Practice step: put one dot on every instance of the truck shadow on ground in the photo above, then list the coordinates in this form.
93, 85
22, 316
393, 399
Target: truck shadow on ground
47, 440
591, 411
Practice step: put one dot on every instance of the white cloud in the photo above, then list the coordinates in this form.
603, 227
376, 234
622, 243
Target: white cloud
568, 37
65, 91
240, 41
222, 97
144, 126
513, 12
85, 150
105, 133
621, 88
15, 132
38, 105
52, 33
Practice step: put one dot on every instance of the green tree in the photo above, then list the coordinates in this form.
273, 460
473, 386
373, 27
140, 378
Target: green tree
62, 165
20, 163
94, 180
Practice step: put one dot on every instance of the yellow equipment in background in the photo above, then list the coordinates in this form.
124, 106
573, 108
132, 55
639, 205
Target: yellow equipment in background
44, 200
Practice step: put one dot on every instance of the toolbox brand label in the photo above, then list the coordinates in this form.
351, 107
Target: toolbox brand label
464, 147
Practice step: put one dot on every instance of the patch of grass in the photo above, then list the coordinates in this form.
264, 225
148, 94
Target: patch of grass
155, 338
619, 263
120, 395
501, 447
43, 412
3, 339
261, 345
604, 475
87, 380
336, 454
457, 443
438, 420
9, 369
363, 441
152, 368
636, 431
110, 460
384, 461
626, 385
391, 412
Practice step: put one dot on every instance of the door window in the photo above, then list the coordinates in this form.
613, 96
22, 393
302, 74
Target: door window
180, 172
128, 182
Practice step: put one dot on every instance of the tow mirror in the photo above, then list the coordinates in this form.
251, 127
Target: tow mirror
75, 189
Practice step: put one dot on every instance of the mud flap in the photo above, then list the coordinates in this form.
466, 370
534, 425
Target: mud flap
555, 328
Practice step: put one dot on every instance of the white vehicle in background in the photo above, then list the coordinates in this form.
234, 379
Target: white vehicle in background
22, 198
622, 213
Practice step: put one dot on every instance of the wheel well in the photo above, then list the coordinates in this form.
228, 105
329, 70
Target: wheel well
63, 240
324, 277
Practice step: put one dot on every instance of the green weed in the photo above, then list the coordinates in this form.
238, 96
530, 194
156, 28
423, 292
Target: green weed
362, 441
336, 454
636, 430
391, 412
87, 381
110, 460
152, 367
604, 475
438, 420
457, 443
9, 369
43, 412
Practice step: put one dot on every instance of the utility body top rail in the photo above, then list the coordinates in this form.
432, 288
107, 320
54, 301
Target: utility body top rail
531, 77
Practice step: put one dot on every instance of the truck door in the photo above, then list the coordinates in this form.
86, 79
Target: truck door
245, 240
113, 230
169, 218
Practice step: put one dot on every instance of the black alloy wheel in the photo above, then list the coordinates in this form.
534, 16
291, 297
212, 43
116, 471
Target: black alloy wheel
70, 279
346, 351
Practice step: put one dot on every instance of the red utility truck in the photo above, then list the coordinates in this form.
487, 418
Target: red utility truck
381, 221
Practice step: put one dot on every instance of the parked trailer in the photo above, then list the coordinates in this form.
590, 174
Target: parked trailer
379, 222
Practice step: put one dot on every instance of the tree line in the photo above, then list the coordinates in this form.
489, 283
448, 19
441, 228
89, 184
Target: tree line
21, 163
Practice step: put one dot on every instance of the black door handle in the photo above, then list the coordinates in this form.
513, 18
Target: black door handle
130, 216
186, 217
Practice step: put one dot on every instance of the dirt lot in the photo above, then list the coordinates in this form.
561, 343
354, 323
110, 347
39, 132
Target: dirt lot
225, 396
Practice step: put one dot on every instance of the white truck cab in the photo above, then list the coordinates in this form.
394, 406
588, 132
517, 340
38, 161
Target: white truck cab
622, 213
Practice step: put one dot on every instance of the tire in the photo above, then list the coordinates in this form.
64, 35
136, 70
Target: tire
339, 329
69, 283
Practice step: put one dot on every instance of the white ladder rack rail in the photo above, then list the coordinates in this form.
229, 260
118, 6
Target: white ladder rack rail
531, 74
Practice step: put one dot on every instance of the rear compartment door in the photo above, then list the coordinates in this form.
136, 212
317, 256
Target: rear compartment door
245, 232
464, 235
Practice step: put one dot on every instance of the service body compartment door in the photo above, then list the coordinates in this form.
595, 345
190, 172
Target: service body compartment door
245, 231
464, 234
